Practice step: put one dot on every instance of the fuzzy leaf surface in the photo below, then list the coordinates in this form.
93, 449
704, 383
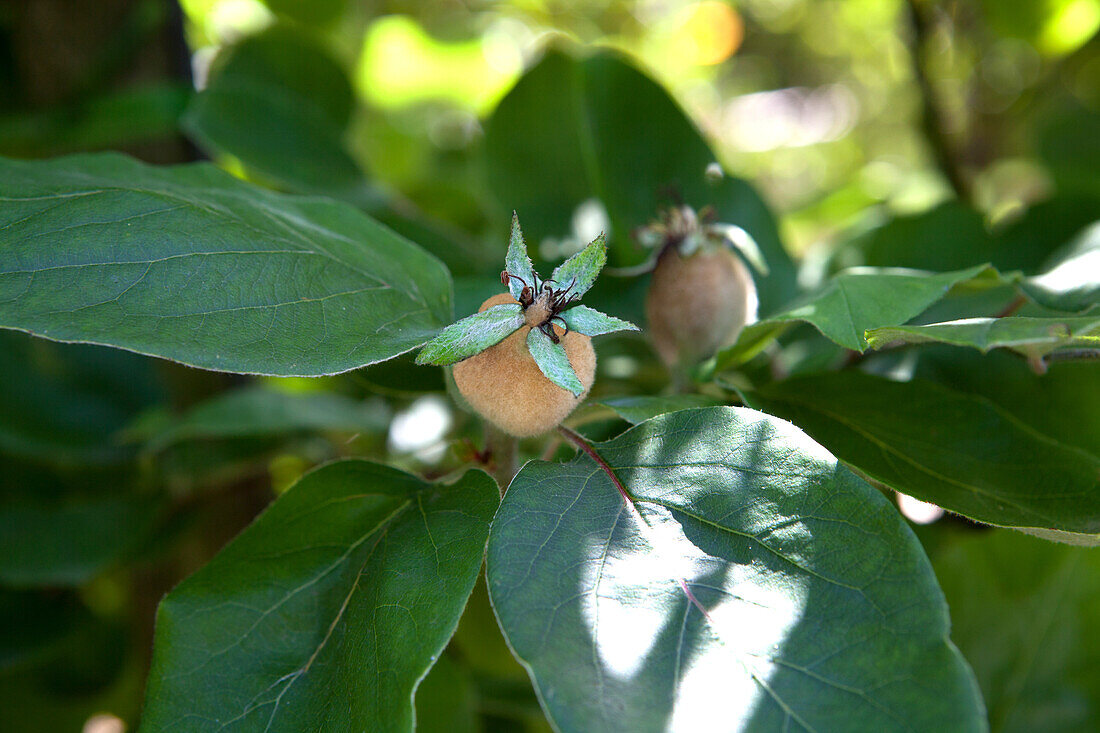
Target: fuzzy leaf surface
949, 448
553, 362
1023, 334
319, 615
751, 583
190, 264
580, 271
472, 335
516, 262
592, 322
853, 302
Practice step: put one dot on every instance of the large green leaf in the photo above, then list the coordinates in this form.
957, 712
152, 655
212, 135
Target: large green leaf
263, 411
1024, 614
576, 129
278, 103
327, 612
190, 264
639, 408
853, 302
1026, 335
952, 449
750, 583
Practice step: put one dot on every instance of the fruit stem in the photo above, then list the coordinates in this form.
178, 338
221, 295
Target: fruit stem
502, 450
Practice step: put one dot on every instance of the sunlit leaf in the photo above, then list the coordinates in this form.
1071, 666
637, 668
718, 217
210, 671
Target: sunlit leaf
327, 611
1019, 333
751, 582
853, 302
1073, 282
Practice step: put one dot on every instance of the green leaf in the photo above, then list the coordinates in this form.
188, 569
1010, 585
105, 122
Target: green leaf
579, 272
279, 103
516, 262
640, 408
591, 322
1025, 335
472, 335
952, 449
951, 236
327, 611
190, 264
553, 361
853, 302
261, 411
751, 580
1072, 283
1023, 612
574, 129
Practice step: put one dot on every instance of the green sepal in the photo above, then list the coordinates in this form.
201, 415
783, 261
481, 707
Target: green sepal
740, 241
517, 262
579, 271
472, 335
553, 362
591, 322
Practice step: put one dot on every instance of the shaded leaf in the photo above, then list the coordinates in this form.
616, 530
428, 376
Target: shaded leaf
553, 361
640, 408
472, 335
327, 611
591, 322
1023, 612
279, 103
945, 447
190, 264
1020, 333
446, 701
571, 130
579, 272
750, 580
853, 302
263, 411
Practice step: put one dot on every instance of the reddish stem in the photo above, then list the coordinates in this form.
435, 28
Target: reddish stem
578, 440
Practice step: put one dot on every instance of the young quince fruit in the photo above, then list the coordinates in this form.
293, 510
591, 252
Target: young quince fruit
701, 294
525, 360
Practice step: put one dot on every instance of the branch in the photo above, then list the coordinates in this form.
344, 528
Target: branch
931, 115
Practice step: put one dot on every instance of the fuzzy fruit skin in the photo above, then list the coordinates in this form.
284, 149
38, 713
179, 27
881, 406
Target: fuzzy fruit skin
506, 387
698, 304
